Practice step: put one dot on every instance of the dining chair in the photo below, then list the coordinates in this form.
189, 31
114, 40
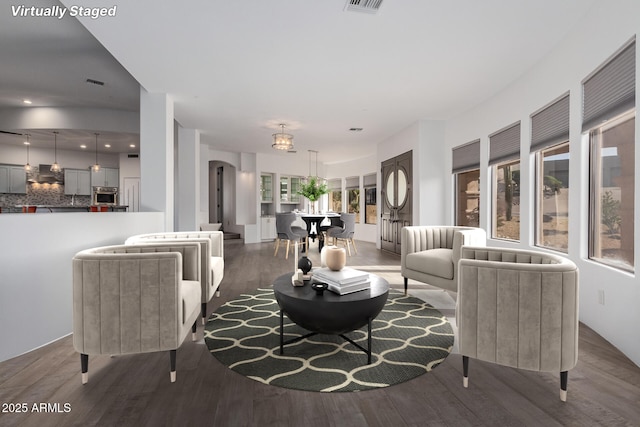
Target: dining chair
346, 232
285, 231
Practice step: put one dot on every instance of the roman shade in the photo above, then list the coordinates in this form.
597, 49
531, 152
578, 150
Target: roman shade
352, 183
466, 157
335, 184
550, 126
369, 181
504, 145
610, 90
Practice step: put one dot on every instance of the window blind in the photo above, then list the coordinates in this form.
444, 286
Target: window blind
550, 126
504, 145
369, 181
611, 90
352, 183
335, 184
466, 157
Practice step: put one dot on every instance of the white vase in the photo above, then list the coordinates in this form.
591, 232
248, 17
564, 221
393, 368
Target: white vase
335, 257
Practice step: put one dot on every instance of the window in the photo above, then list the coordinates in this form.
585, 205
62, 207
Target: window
335, 195
504, 158
609, 119
506, 201
549, 142
612, 193
466, 170
370, 206
468, 198
552, 230
353, 196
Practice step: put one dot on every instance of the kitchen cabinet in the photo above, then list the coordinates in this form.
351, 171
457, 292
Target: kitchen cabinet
289, 186
13, 179
266, 188
77, 181
105, 177
268, 227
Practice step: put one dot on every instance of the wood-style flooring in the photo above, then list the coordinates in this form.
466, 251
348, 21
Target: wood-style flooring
134, 390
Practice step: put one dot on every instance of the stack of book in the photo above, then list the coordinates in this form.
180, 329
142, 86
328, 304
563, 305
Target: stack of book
343, 282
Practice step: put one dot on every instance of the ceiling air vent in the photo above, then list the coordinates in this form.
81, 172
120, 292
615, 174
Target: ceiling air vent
366, 6
95, 82
133, 156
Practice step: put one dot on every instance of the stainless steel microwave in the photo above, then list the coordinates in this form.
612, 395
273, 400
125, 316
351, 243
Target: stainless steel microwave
105, 196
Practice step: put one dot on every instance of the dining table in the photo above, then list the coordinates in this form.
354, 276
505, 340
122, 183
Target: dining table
314, 222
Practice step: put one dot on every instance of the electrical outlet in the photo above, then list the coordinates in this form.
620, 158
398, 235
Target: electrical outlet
601, 296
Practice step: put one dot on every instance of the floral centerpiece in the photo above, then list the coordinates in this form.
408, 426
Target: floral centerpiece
312, 190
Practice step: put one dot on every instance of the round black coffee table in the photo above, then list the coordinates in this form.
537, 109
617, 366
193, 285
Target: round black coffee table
329, 313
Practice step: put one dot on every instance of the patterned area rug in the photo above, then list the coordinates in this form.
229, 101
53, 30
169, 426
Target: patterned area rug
410, 338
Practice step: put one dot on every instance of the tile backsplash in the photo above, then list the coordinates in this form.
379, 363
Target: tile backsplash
41, 194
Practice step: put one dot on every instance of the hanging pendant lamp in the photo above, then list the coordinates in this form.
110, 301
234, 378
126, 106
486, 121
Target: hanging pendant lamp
96, 167
55, 167
282, 141
27, 166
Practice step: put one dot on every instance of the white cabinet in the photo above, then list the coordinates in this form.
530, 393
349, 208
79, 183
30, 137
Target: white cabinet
289, 187
13, 179
268, 227
77, 181
105, 177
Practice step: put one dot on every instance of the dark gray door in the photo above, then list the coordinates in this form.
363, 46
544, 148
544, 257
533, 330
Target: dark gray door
397, 200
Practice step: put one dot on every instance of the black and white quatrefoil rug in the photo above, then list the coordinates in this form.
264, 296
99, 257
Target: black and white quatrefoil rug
410, 338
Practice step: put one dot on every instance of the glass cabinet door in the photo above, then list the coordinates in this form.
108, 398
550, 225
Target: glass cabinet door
294, 197
284, 189
266, 188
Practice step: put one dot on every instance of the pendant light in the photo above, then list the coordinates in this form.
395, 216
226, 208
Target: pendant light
55, 167
27, 167
96, 167
282, 141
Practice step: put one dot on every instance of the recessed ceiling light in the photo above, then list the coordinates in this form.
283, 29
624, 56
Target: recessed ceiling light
27, 101
107, 145
27, 143
83, 146
132, 145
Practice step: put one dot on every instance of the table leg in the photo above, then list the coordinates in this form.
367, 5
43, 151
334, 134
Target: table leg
281, 331
369, 341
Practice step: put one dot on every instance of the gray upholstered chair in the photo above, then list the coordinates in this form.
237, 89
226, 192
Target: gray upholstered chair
212, 254
285, 231
135, 299
430, 253
518, 308
346, 232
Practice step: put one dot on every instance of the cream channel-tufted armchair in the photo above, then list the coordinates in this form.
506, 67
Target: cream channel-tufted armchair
518, 308
212, 254
430, 253
135, 299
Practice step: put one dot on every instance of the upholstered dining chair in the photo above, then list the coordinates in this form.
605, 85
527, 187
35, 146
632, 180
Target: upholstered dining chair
346, 232
285, 231
518, 308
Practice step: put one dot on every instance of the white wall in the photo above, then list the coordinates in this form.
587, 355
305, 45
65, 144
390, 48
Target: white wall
602, 32
35, 269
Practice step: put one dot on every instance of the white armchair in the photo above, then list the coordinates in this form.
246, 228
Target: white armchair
134, 299
212, 253
430, 254
518, 308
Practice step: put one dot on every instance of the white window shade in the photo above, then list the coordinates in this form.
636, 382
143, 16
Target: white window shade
550, 126
369, 181
352, 183
335, 184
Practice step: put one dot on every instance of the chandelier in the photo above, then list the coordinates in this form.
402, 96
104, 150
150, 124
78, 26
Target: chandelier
282, 141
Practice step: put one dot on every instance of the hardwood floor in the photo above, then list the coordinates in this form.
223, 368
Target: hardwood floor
604, 388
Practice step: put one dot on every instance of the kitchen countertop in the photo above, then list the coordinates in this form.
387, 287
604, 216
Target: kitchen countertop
62, 208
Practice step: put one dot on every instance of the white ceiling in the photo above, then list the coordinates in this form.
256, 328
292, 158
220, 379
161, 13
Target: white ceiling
236, 69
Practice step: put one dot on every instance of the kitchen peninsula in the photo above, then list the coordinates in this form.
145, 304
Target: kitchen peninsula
67, 208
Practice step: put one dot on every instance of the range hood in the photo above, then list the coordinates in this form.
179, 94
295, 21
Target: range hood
44, 175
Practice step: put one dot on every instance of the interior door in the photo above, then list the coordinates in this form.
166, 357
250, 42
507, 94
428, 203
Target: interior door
397, 200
